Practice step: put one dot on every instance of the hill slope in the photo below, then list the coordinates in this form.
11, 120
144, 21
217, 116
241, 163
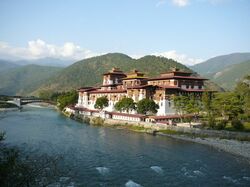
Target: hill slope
46, 62
5, 65
89, 72
228, 77
219, 63
24, 79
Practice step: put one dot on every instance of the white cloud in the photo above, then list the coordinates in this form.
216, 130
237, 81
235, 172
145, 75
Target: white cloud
36, 49
180, 3
40, 49
182, 58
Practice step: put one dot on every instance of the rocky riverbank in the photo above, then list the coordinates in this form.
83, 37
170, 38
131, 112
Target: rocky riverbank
241, 148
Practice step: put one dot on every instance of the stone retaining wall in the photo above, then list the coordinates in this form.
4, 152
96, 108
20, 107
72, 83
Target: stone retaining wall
194, 131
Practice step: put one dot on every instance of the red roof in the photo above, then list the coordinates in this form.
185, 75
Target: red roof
109, 91
139, 86
108, 85
85, 89
169, 87
71, 107
128, 78
85, 109
177, 77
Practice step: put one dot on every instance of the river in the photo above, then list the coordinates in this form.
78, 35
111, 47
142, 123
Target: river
99, 156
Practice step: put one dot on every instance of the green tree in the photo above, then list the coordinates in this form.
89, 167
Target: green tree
66, 99
194, 105
125, 104
242, 90
208, 108
180, 104
207, 102
146, 106
228, 105
101, 102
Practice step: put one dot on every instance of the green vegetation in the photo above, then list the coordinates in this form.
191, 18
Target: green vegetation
62, 99
224, 110
24, 79
229, 77
49, 95
227, 105
137, 128
125, 104
7, 105
66, 99
225, 70
98, 121
101, 103
34, 79
147, 106
220, 63
6, 65
231, 108
4, 98
88, 72
187, 104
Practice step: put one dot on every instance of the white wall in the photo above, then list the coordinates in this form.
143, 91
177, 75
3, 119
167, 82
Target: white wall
126, 118
165, 108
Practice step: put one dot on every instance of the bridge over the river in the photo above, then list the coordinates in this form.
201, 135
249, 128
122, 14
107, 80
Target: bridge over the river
19, 101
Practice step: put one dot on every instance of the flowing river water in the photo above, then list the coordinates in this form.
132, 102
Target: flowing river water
99, 156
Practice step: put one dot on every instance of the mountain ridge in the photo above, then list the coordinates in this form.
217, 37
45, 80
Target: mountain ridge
32, 79
218, 63
24, 79
229, 77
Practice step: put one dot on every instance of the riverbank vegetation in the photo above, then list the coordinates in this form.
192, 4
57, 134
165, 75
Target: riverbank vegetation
144, 106
7, 105
60, 99
220, 111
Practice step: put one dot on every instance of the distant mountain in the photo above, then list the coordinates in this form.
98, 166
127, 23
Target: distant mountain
5, 65
31, 79
228, 77
219, 63
24, 79
89, 72
46, 62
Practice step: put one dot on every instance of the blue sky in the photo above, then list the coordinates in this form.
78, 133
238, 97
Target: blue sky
187, 30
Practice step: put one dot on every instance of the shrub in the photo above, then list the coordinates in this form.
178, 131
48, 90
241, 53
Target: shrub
211, 122
86, 120
237, 124
221, 125
98, 121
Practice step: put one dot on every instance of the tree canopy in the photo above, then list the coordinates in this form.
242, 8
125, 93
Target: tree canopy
146, 106
66, 99
101, 103
125, 104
